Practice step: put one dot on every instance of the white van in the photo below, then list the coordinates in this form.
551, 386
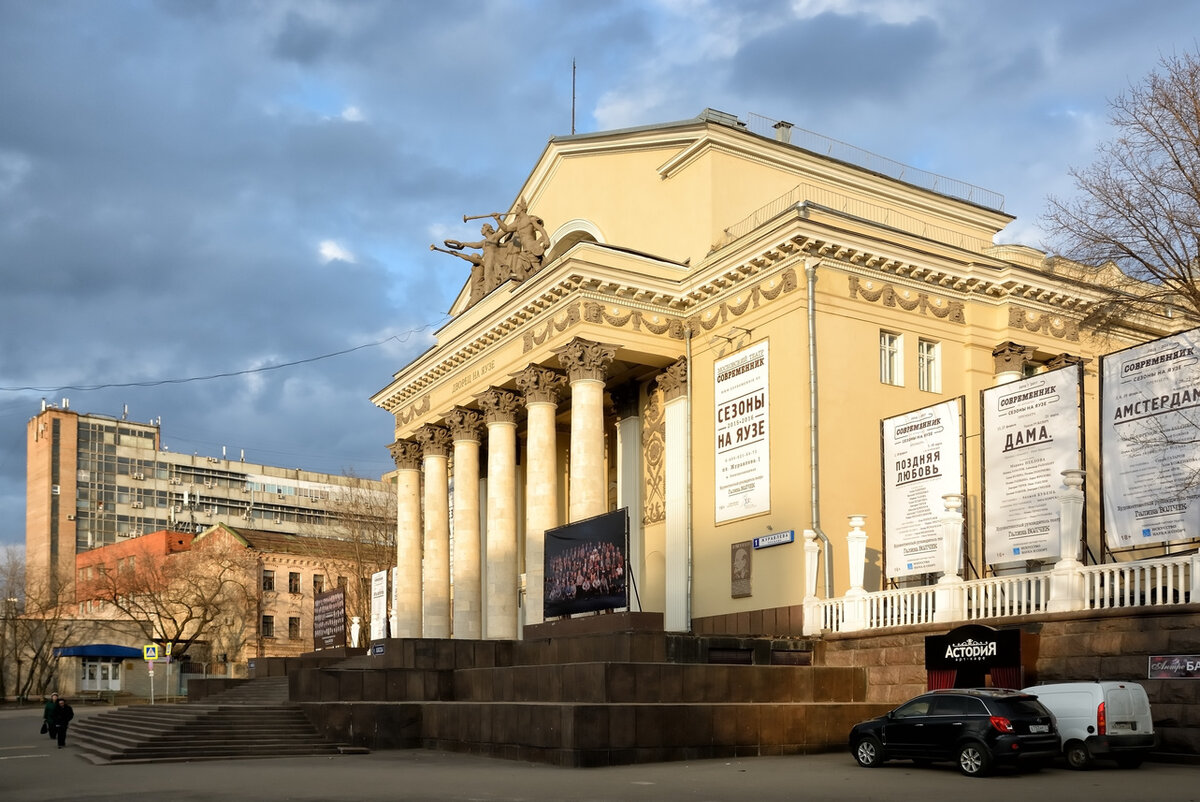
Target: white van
1100, 720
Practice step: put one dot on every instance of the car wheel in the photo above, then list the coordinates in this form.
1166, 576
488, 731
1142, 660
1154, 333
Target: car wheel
974, 760
869, 752
1129, 761
1077, 755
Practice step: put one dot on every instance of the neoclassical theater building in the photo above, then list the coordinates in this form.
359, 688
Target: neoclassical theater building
704, 322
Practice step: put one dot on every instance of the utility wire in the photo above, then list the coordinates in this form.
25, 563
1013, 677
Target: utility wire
159, 382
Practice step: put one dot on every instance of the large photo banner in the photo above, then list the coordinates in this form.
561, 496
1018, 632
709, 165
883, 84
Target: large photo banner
741, 418
922, 461
1031, 434
586, 565
1149, 427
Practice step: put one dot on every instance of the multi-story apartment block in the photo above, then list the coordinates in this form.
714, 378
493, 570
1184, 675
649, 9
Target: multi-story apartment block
94, 480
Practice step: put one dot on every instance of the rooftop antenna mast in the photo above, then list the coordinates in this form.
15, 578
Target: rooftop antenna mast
572, 97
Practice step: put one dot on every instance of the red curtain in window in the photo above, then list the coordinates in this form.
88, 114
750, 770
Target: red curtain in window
1006, 676
941, 678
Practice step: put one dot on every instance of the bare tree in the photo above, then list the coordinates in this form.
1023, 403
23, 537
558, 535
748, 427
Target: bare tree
1138, 204
364, 521
178, 598
32, 622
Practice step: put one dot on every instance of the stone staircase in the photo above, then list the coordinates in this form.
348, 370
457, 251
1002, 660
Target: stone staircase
591, 700
252, 719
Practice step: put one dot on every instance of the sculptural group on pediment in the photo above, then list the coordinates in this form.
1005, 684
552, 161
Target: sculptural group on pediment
513, 248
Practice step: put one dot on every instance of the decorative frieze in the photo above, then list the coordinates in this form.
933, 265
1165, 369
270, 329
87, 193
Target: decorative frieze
464, 424
785, 282
540, 383
585, 359
414, 410
1045, 323
406, 454
908, 300
435, 440
499, 406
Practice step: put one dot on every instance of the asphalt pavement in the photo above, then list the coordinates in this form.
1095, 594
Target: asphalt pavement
33, 769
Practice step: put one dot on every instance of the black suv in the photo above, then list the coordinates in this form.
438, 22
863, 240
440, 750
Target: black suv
976, 728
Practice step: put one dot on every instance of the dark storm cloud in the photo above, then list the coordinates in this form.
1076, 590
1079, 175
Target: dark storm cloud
170, 169
829, 57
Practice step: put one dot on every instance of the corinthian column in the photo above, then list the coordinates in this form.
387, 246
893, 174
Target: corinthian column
675, 403
587, 364
541, 387
500, 414
467, 610
406, 591
435, 608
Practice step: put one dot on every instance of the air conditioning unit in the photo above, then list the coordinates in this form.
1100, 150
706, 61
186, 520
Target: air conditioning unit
278, 520
212, 510
175, 480
137, 505
208, 483
281, 495
178, 508
139, 476
70, 517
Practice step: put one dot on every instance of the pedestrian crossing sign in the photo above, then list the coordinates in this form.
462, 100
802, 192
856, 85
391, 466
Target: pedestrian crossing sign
150, 651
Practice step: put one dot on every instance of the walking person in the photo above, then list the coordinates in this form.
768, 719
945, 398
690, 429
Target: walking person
48, 716
62, 717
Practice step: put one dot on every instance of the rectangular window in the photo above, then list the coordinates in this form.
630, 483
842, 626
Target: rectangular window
268, 626
891, 359
341, 581
318, 583
293, 582
929, 369
294, 628
268, 580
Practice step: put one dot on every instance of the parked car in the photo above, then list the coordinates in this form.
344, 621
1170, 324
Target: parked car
1106, 719
976, 728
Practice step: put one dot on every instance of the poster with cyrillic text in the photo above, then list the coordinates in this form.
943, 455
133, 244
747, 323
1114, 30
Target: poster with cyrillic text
742, 417
379, 581
1030, 436
922, 461
1149, 427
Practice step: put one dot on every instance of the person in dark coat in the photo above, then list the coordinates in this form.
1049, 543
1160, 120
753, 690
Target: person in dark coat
62, 717
48, 715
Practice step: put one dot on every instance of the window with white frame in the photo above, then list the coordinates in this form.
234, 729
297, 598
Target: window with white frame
929, 366
891, 358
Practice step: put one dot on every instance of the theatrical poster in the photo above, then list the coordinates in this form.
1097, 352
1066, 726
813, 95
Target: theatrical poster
742, 449
1149, 421
1031, 434
379, 603
922, 461
329, 619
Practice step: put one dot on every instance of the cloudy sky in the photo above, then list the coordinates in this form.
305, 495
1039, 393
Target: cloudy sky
191, 188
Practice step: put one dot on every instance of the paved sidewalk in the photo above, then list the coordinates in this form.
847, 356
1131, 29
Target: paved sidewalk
33, 770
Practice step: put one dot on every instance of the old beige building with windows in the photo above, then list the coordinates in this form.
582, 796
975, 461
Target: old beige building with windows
637, 270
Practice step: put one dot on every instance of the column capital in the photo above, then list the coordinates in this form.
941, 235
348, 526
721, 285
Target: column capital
464, 424
626, 400
499, 405
673, 381
1064, 359
434, 440
1011, 357
585, 359
406, 454
540, 383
